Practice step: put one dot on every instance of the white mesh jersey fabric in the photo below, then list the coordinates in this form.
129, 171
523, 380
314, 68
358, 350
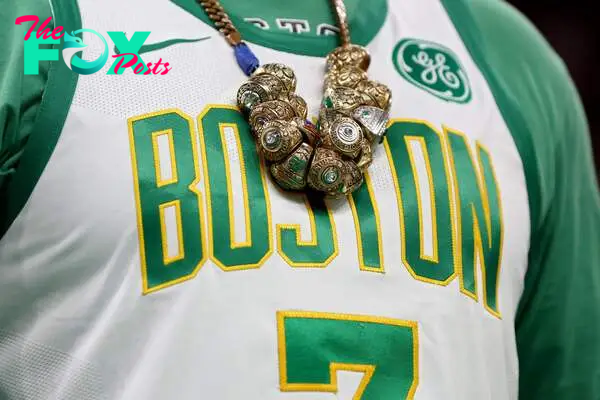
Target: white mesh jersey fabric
34, 371
71, 292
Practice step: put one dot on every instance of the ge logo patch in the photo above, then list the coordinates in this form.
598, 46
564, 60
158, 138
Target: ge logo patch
434, 68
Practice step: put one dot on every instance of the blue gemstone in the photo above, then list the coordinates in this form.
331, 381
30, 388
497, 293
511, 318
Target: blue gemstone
246, 59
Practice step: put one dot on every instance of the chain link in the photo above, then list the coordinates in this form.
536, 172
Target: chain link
342, 19
217, 14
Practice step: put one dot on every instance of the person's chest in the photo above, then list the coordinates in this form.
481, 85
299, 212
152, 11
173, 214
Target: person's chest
156, 181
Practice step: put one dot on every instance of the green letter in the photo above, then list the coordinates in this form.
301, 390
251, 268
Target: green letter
321, 249
122, 45
418, 162
480, 220
33, 54
165, 173
223, 129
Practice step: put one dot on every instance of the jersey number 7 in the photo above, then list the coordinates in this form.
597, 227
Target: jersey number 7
314, 346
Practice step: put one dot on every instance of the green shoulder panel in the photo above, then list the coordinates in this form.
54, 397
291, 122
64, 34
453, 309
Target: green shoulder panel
20, 95
33, 108
558, 320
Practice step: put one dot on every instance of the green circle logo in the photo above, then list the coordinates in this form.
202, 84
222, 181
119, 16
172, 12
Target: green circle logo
434, 68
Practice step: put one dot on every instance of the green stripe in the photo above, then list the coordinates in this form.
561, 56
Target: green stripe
49, 123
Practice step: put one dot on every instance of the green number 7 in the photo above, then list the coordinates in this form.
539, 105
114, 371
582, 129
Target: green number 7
314, 346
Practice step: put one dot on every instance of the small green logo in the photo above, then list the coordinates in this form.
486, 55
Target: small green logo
434, 68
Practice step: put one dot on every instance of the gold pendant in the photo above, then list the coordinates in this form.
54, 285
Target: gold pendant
333, 157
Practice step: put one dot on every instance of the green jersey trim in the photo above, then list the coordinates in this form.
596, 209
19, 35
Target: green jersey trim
54, 107
365, 22
20, 94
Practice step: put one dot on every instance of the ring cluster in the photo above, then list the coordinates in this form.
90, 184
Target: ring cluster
332, 156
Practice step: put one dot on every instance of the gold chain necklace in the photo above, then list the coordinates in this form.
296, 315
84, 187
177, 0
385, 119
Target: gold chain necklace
331, 157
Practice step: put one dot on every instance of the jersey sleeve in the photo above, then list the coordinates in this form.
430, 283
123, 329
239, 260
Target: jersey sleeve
558, 319
20, 94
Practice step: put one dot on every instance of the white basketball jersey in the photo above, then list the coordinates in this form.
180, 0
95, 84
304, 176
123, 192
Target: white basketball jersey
156, 259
